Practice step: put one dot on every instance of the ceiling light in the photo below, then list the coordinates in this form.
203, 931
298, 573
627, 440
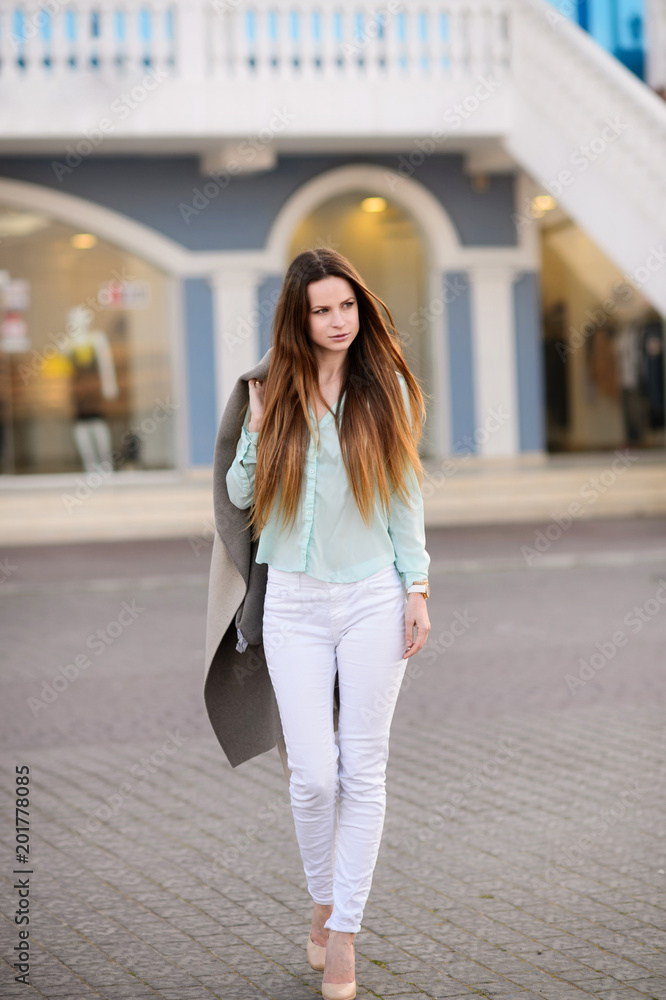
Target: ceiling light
83, 241
544, 203
479, 182
374, 204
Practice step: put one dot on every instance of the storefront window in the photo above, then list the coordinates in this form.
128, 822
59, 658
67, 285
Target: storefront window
604, 347
85, 368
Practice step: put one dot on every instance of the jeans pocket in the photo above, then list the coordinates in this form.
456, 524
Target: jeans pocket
276, 593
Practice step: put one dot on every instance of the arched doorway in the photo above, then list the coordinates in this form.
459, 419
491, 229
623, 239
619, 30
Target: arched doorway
421, 226
383, 243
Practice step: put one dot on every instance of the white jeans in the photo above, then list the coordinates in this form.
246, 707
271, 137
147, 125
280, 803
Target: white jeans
311, 628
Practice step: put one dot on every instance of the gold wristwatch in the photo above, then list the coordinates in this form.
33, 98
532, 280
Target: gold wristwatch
420, 587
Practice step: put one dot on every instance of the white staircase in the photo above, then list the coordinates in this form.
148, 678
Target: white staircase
592, 134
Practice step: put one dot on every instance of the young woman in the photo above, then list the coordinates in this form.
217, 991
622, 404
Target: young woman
327, 460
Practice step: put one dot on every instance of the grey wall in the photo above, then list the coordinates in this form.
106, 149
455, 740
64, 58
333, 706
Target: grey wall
529, 363
267, 297
169, 194
456, 292
200, 354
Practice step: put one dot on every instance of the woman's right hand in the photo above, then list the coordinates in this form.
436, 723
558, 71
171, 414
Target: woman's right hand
257, 392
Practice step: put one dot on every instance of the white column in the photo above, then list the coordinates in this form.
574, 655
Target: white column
494, 355
236, 323
191, 41
654, 32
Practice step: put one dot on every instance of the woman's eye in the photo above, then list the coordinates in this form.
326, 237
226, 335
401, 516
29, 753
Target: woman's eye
319, 312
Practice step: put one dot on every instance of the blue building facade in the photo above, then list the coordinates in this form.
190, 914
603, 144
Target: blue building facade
617, 25
214, 248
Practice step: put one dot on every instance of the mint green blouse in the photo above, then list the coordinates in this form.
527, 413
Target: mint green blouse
329, 539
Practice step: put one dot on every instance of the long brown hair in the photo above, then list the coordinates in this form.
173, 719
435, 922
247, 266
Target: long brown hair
378, 438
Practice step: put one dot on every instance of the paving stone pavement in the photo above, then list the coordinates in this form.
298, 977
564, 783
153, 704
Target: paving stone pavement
523, 851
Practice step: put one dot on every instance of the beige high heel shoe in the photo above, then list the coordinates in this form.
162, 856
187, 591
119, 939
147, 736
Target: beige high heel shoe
316, 955
338, 991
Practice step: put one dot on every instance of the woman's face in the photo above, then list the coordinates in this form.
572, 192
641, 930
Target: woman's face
333, 316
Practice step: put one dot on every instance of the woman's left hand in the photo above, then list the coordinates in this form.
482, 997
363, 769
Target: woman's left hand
416, 613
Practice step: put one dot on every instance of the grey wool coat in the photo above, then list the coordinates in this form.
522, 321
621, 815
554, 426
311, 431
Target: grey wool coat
238, 692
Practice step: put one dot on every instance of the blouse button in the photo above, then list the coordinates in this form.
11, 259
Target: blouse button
308, 512
311, 471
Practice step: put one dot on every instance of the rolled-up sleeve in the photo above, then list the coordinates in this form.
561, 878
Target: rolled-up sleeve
240, 476
406, 525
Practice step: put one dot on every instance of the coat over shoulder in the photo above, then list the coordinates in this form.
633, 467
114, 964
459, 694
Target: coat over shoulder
238, 693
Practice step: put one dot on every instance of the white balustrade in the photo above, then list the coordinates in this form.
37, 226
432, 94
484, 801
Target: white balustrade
161, 49
457, 28
107, 47
102, 37
275, 39
258, 39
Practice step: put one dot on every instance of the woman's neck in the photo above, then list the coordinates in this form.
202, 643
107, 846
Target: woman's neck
329, 375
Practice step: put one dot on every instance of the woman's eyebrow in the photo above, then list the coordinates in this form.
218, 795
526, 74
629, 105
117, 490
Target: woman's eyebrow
342, 303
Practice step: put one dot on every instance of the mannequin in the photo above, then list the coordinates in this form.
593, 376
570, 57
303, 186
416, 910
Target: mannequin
93, 381
629, 363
